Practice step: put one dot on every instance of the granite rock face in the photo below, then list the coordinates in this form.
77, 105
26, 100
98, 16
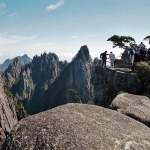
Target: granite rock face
12, 73
112, 81
78, 126
134, 106
45, 66
80, 74
8, 117
73, 81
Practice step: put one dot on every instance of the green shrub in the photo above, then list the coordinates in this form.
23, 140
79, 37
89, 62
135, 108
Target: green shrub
9, 95
121, 92
17, 106
73, 95
142, 69
90, 102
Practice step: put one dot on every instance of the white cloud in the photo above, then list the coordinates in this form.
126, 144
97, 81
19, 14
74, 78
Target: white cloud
2, 8
3, 33
76, 36
12, 46
66, 56
93, 35
14, 39
55, 6
13, 15
86, 36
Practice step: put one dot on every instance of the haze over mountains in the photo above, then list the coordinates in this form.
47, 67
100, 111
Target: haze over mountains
23, 60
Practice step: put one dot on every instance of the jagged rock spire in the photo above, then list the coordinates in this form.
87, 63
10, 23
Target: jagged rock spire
83, 54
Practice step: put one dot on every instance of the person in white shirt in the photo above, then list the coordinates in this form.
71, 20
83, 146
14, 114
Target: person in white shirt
132, 53
112, 59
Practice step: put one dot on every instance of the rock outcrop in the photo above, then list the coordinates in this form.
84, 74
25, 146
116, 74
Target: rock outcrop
45, 66
78, 126
80, 74
134, 106
112, 81
12, 73
8, 117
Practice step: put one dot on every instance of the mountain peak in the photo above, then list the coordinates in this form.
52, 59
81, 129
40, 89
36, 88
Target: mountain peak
25, 55
83, 53
23, 60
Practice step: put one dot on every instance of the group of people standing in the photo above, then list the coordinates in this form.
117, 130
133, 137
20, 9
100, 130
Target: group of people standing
136, 54
103, 56
140, 53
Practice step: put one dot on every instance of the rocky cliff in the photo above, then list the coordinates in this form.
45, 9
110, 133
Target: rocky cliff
80, 74
112, 81
8, 116
79, 126
12, 73
74, 80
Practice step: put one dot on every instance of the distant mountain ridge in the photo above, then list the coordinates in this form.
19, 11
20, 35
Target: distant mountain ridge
47, 82
23, 60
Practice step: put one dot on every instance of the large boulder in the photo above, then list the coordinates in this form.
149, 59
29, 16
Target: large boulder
134, 106
78, 126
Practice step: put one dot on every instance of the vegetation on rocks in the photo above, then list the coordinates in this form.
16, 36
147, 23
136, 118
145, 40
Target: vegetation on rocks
73, 96
147, 37
142, 69
120, 41
121, 92
8, 93
18, 106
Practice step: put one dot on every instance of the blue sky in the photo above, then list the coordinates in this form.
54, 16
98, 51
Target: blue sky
63, 26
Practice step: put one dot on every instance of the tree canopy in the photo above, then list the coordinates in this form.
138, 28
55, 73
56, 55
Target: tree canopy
120, 40
147, 37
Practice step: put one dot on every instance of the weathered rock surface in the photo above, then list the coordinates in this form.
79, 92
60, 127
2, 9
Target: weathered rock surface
80, 74
112, 81
78, 126
8, 117
134, 106
12, 73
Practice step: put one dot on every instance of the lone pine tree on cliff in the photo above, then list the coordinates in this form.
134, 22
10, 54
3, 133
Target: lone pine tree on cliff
147, 38
120, 41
